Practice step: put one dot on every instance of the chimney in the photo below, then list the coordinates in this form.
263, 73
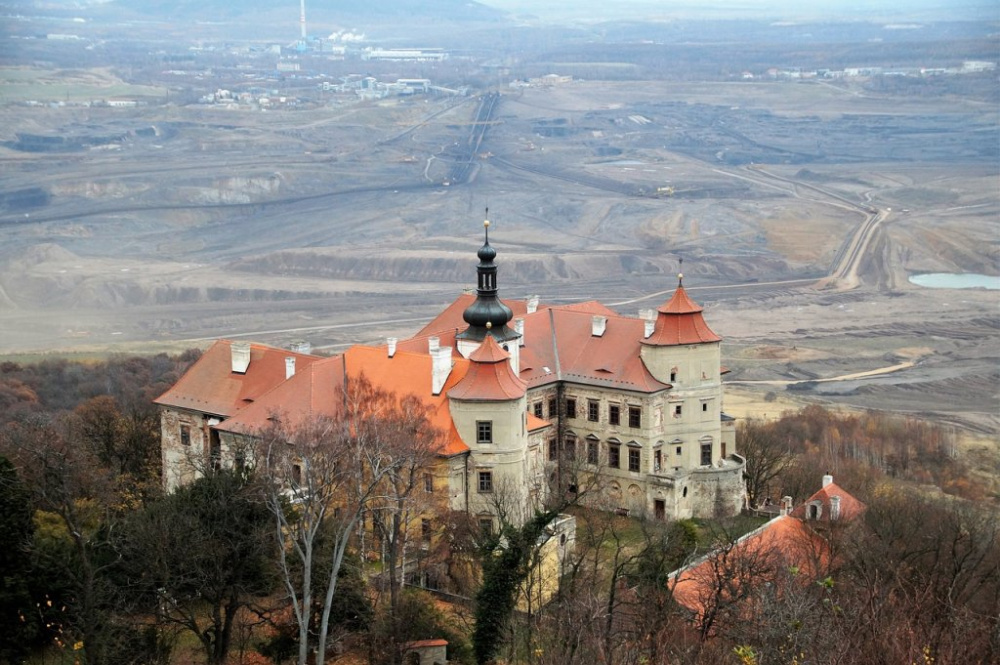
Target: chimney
834, 507
289, 367
647, 315
827, 479
300, 347
433, 344
649, 327
440, 367
532, 304
519, 329
240, 356
786, 505
390, 343
598, 324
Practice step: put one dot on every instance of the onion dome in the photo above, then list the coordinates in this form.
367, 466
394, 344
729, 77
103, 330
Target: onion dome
679, 321
490, 377
487, 315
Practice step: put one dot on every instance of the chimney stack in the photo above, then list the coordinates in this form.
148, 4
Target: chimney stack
598, 324
240, 356
390, 343
300, 347
827, 479
532, 304
786, 505
433, 344
440, 367
650, 326
834, 507
519, 329
289, 367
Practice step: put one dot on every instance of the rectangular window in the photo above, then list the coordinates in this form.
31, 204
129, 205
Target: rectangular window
678, 409
553, 412
484, 431
614, 456
486, 525
723, 454
425, 529
634, 459
571, 408
704, 407
539, 411
706, 454
678, 450
428, 483
592, 452
634, 416
569, 448
614, 414
593, 410
553, 450
485, 481
296, 474
673, 376
657, 460
185, 435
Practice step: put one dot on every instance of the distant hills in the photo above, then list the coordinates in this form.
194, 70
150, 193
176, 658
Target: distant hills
446, 10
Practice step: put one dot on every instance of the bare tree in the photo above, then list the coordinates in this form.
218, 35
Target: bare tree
324, 475
766, 457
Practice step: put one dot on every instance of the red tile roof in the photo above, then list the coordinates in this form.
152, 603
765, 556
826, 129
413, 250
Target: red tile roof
314, 391
490, 377
777, 545
849, 506
559, 345
680, 321
450, 320
210, 386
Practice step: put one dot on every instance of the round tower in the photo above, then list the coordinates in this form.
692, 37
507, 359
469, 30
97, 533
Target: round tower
489, 410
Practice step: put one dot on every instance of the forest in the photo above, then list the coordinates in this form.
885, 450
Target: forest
100, 566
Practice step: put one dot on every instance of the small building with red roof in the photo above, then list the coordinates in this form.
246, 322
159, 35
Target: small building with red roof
532, 398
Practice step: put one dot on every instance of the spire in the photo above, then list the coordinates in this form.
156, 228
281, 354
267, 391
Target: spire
487, 315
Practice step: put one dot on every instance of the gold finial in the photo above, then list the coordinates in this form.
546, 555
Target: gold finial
489, 325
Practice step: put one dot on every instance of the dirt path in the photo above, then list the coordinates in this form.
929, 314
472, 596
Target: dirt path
843, 377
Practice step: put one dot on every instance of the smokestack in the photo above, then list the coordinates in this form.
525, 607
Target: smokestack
289, 367
302, 18
827, 479
440, 368
240, 356
390, 343
532, 304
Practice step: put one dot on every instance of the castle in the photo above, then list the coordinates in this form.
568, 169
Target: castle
531, 398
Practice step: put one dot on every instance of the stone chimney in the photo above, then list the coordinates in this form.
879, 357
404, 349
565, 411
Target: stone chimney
289, 367
598, 324
786, 505
300, 347
390, 344
827, 479
834, 507
532, 304
433, 344
240, 356
519, 329
440, 367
